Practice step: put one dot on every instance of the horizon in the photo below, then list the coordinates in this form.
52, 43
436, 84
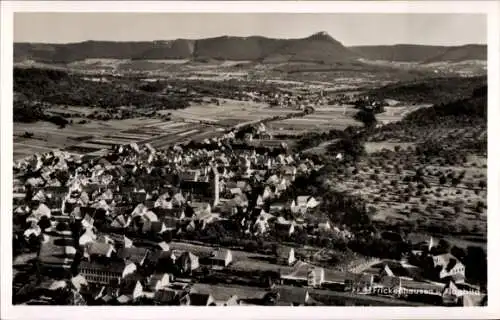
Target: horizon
376, 29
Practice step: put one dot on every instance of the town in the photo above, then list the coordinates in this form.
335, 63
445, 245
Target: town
206, 226
241, 170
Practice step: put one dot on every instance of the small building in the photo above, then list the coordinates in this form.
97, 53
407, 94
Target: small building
359, 282
293, 296
130, 291
220, 258
198, 299
98, 249
187, 262
451, 267
133, 254
157, 282
285, 255
315, 277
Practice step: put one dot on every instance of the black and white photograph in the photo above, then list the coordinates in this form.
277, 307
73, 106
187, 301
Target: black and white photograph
254, 159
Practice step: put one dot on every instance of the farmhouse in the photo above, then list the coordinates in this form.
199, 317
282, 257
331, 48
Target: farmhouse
220, 258
451, 267
285, 255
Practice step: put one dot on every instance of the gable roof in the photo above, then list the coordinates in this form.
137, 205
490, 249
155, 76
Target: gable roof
199, 299
100, 248
294, 295
134, 254
220, 254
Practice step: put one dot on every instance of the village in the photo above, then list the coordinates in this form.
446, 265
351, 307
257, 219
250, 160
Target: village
204, 225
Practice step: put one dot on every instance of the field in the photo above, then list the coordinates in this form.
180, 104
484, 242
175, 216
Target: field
324, 118
447, 198
97, 135
229, 113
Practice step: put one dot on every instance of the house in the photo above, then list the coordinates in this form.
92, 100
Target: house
390, 285
79, 282
200, 209
99, 249
220, 258
315, 277
155, 227
41, 210
187, 262
232, 301
163, 246
133, 254
120, 222
129, 291
359, 282
451, 294
293, 296
157, 282
308, 202
284, 228
267, 193
87, 238
285, 255
87, 222
451, 267
189, 175
261, 226
112, 272
324, 226
198, 299
166, 296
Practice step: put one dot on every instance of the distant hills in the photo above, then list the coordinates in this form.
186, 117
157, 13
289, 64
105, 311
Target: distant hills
421, 53
317, 48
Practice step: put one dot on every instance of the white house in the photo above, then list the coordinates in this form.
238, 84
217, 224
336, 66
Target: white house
221, 258
451, 267
315, 277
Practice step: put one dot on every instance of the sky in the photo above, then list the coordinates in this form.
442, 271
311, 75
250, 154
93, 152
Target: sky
349, 28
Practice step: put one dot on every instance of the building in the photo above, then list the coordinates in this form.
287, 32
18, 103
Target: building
198, 299
451, 267
106, 273
292, 296
220, 258
133, 254
285, 255
359, 282
187, 262
315, 277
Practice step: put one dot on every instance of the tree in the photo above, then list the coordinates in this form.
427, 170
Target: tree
44, 223
458, 252
443, 246
367, 117
482, 184
476, 264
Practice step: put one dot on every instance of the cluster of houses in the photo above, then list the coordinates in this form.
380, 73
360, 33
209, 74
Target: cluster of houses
80, 210
105, 224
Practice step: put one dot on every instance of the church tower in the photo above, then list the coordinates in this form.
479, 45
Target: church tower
214, 184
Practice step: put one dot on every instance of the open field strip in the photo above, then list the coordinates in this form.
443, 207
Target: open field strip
167, 125
111, 141
183, 134
124, 135
144, 130
57, 132
30, 146
170, 127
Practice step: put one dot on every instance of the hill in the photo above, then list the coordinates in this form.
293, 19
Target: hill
317, 48
435, 91
421, 53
